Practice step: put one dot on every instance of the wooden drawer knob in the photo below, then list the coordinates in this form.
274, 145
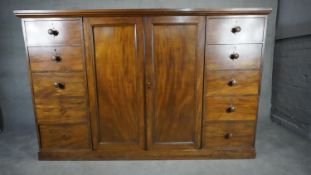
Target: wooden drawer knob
59, 85
236, 29
228, 135
53, 32
231, 108
56, 58
234, 56
232, 83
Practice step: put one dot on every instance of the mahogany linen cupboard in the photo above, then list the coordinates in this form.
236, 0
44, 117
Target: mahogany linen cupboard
145, 83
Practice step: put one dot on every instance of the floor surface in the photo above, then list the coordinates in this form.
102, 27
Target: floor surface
279, 152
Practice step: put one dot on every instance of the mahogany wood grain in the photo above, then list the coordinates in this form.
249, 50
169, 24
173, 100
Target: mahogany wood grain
119, 85
41, 58
216, 108
54, 137
69, 31
218, 57
217, 82
175, 58
43, 85
242, 135
61, 110
219, 30
238, 153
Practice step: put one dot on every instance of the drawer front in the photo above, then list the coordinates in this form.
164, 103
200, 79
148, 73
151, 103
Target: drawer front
229, 135
64, 136
61, 110
232, 82
231, 108
225, 30
65, 32
47, 85
245, 56
64, 58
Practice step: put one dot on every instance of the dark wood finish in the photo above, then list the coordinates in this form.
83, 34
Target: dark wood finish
229, 135
141, 12
64, 58
61, 110
157, 83
223, 57
69, 137
143, 155
118, 100
175, 56
218, 108
219, 30
44, 85
69, 31
232, 83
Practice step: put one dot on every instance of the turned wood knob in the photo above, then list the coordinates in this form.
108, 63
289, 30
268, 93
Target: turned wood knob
228, 135
53, 32
59, 85
232, 82
234, 56
236, 29
56, 58
231, 108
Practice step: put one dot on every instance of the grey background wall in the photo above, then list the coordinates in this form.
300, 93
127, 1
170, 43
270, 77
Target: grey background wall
294, 18
15, 96
291, 94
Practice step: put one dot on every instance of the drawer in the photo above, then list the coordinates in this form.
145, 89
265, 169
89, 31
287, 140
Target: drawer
64, 58
244, 56
232, 82
229, 135
47, 85
225, 30
64, 136
63, 32
61, 110
231, 108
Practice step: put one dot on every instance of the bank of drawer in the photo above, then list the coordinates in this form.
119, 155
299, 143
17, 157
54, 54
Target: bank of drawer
232, 82
231, 108
49, 85
229, 135
64, 136
244, 56
66, 32
64, 58
61, 110
225, 30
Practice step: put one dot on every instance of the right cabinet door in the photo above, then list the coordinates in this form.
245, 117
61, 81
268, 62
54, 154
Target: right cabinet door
174, 81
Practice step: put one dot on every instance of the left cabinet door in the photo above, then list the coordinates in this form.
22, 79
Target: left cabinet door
114, 49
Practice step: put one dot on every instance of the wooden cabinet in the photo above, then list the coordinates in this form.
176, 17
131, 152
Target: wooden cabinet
145, 83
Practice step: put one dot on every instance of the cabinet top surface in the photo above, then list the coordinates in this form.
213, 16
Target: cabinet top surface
131, 12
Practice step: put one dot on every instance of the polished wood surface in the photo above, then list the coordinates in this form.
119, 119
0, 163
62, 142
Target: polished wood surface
62, 58
118, 58
69, 137
175, 56
219, 57
69, 31
44, 85
242, 135
218, 108
218, 82
141, 12
145, 83
61, 110
219, 30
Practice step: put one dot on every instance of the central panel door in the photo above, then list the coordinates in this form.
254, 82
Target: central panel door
115, 72
174, 81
